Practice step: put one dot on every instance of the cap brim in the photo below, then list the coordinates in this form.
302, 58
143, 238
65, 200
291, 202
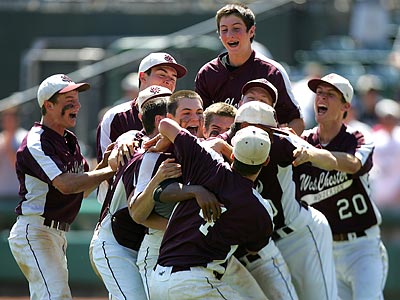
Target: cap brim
250, 85
180, 70
81, 87
314, 83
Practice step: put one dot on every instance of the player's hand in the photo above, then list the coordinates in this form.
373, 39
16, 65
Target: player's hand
219, 145
168, 169
301, 155
105, 161
208, 202
125, 151
157, 144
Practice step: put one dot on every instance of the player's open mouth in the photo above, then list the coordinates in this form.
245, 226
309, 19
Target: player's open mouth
321, 109
73, 115
233, 44
193, 130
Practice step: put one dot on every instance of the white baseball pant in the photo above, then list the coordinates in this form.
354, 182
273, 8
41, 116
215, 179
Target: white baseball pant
235, 275
361, 267
116, 265
308, 254
40, 253
195, 283
271, 272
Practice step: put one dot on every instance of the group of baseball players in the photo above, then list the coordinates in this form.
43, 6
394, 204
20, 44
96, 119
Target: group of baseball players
211, 193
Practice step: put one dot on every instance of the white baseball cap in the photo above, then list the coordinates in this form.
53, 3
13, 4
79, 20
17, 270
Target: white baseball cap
256, 112
262, 83
161, 58
251, 146
59, 83
387, 107
338, 82
151, 92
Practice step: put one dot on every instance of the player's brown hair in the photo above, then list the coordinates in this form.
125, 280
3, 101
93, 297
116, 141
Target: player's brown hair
151, 109
241, 11
174, 99
222, 109
53, 100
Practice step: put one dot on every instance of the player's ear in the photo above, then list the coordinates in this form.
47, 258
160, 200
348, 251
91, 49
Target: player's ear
232, 156
140, 116
48, 105
252, 31
142, 77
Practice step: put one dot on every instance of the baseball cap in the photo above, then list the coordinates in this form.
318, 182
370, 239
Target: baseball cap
161, 58
59, 83
262, 83
256, 112
251, 145
387, 107
151, 92
337, 81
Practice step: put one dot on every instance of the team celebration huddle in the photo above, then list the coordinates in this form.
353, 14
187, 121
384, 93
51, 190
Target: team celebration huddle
212, 192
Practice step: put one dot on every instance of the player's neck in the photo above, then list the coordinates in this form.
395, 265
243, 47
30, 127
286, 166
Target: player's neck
238, 59
327, 132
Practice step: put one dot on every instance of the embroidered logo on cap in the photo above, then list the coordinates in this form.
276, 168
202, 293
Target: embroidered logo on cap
169, 58
66, 78
155, 90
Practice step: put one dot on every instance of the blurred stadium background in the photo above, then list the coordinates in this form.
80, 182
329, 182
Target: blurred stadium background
101, 41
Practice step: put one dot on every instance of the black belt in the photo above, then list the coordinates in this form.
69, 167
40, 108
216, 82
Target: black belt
252, 257
340, 237
276, 236
56, 224
182, 268
249, 258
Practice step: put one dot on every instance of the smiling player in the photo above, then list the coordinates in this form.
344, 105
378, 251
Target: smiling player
222, 79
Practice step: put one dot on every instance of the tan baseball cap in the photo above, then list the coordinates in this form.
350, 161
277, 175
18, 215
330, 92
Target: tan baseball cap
262, 83
251, 146
151, 92
59, 83
161, 58
338, 82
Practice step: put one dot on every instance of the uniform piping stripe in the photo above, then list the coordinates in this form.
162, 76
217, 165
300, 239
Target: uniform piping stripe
219, 292
145, 271
320, 262
111, 271
283, 278
36, 260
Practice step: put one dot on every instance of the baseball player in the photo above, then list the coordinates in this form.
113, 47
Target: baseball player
335, 181
142, 202
117, 239
218, 118
53, 178
222, 79
194, 253
155, 69
298, 228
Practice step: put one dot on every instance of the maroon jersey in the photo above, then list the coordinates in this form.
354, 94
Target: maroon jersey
215, 83
191, 241
43, 155
343, 198
116, 121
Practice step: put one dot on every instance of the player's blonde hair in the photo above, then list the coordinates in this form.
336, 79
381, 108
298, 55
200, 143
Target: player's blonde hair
220, 109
